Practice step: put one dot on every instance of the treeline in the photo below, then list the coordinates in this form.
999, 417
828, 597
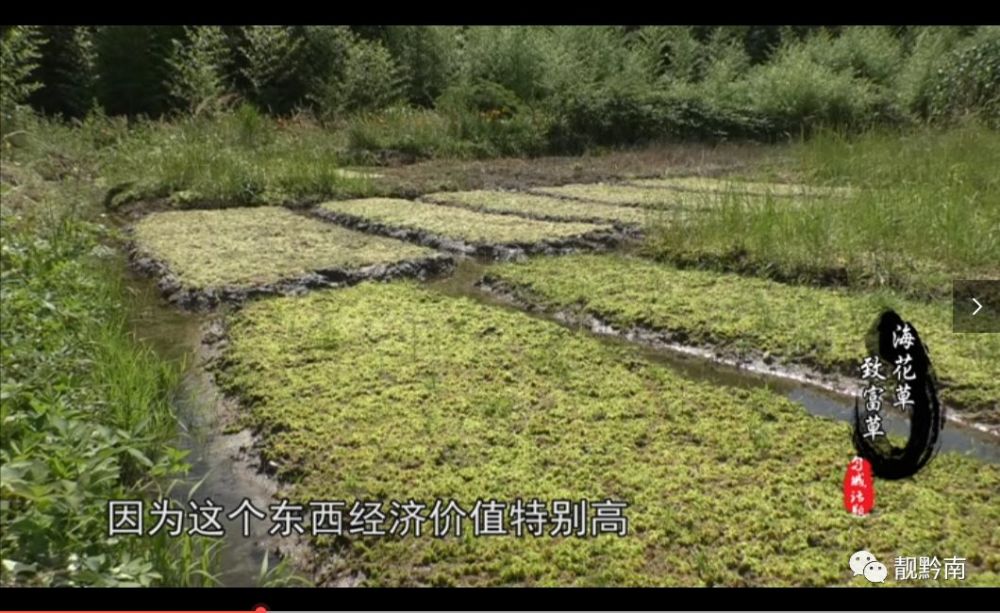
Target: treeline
516, 89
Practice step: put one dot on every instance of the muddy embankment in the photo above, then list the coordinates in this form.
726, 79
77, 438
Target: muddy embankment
601, 240
202, 299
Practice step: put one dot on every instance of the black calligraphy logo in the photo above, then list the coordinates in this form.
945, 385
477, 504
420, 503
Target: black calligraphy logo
898, 345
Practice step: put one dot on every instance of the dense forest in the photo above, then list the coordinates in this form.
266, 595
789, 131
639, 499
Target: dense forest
481, 91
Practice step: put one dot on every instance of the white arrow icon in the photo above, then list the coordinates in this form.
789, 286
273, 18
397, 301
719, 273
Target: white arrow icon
979, 307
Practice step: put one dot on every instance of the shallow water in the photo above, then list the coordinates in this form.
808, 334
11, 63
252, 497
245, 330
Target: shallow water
219, 468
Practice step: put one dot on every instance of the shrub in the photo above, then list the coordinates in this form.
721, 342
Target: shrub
606, 117
512, 56
798, 94
701, 118
416, 133
493, 120
372, 79
871, 53
968, 80
916, 78
678, 54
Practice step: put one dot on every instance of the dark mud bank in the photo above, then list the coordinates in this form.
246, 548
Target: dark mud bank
593, 241
202, 299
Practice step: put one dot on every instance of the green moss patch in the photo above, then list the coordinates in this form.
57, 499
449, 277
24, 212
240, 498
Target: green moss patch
823, 328
707, 184
453, 227
623, 194
395, 392
255, 247
542, 207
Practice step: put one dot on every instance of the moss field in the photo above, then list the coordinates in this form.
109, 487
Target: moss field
460, 224
533, 205
657, 197
395, 391
251, 246
819, 327
747, 187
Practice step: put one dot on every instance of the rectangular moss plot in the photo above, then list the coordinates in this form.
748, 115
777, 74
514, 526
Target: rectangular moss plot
646, 197
748, 317
205, 256
544, 207
707, 184
466, 231
402, 393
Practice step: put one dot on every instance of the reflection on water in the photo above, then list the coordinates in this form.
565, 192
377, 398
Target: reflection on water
218, 467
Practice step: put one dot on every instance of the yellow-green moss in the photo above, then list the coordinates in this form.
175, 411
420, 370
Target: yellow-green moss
733, 185
393, 391
456, 223
821, 327
544, 206
249, 246
647, 197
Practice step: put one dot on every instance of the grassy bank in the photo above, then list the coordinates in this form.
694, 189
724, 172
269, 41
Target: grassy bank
86, 411
928, 212
823, 328
394, 392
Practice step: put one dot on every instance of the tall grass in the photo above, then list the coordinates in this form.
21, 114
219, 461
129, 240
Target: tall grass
242, 157
238, 157
927, 211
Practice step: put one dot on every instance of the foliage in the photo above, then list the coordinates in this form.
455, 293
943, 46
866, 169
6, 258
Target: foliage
65, 71
517, 90
372, 79
198, 64
133, 70
273, 67
426, 56
19, 55
968, 81
85, 410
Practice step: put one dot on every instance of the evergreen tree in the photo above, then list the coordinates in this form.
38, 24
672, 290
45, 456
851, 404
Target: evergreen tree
199, 63
65, 71
273, 67
19, 55
133, 73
